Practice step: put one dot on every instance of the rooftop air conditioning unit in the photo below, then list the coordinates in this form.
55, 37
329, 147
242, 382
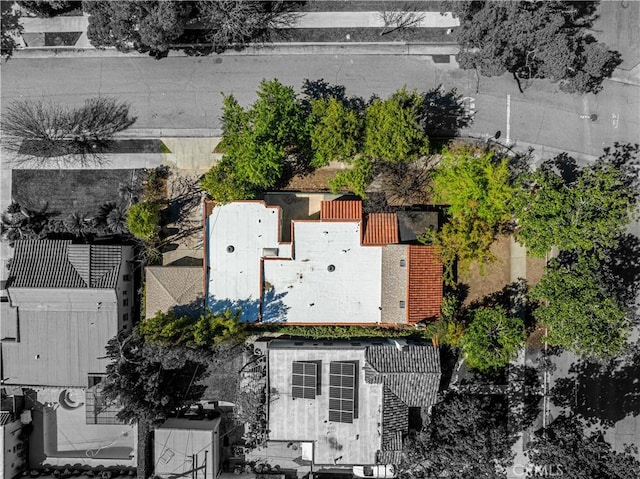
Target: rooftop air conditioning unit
269, 252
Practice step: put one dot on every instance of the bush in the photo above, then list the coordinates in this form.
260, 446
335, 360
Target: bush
143, 220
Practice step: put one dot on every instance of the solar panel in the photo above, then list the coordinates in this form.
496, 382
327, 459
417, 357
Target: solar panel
342, 385
304, 377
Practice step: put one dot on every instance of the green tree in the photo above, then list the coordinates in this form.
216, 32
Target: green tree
223, 184
492, 338
466, 438
256, 143
577, 209
568, 451
10, 26
143, 220
205, 330
475, 185
336, 131
152, 382
49, 8
579, 310
393, 131
355, 179
145, 26
478, 188
533, 40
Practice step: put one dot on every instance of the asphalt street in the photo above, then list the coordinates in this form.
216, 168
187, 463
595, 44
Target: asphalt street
186, 93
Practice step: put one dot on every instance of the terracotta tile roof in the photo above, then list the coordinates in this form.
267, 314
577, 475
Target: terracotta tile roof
424, 289
60, 264
338, 210
381, 229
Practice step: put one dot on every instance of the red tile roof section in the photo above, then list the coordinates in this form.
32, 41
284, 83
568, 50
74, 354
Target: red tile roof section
424, 289
341, 210
381, 229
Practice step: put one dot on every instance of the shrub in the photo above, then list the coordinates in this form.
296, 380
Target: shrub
143, 219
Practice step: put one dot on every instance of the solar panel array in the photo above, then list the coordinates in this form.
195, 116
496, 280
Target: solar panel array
305, 379
342, 383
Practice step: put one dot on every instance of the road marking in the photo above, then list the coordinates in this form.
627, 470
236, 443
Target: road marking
508, 119
614, 120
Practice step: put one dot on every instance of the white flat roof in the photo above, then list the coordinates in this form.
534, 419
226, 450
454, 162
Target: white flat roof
234, 278
308, 419
329, 278
309, 293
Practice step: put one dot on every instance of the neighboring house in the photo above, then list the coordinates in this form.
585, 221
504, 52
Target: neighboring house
351, 400
344, 268
177, 288
13, 447
66, 301
187, 448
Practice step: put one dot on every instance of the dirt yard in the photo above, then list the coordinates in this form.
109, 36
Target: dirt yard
494, 277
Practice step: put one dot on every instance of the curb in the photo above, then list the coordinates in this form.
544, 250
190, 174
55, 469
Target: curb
156, 133
364, 48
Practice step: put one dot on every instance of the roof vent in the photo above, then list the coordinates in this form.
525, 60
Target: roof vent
331, 268
230, 249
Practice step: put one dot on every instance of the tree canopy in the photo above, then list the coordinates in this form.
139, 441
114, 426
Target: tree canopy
537, 39
156, 26
492, 338
206, 330
142, 25
150, 382
580, 311
565, 449
143, 220
393, 131
577, 209
10, 25
478, 189
336, 131
466, 438
256, 142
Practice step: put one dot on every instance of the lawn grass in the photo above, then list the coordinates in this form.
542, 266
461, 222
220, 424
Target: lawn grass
363, 34
68, 191
369, 6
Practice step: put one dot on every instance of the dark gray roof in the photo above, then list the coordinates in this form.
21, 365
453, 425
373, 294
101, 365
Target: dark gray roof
395, 420
412, 224
412, 373
60, 264
406, 359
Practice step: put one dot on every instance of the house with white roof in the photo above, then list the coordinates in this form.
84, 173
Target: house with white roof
342, 267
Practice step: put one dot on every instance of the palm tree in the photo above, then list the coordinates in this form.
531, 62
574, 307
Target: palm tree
76, 223
117, 221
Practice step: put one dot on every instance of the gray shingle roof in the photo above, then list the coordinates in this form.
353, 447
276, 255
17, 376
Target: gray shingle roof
412, 373
170, 287
60, 264
395, 420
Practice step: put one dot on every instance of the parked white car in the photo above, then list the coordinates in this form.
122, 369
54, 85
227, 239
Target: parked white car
379, 471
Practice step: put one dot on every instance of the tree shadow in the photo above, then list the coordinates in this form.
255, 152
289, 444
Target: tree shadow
621, 269
320, 89
602, 393
269, 309
512, 298
444, 113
